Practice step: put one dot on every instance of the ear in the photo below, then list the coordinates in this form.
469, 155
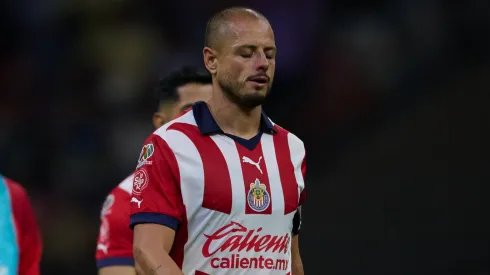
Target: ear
210, 60
159, 118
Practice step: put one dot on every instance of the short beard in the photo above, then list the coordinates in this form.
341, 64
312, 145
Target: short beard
247, 102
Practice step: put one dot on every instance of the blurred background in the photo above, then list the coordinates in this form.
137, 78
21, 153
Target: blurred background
390, 97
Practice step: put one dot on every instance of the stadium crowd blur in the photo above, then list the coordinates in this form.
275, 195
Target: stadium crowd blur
390, 98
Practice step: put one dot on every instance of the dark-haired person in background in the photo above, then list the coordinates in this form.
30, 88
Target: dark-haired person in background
176, 93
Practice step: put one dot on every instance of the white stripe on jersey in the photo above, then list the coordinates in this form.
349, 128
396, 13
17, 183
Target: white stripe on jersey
297, 150
127, 184
269, 151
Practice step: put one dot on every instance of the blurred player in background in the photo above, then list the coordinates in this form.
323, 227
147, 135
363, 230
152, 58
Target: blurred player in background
176, 93
20, 239
220, 188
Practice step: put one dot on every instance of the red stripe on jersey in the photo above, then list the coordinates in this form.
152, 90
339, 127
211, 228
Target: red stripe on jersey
217, 182
181, 236
302, 196
201, 273
171, 159
286, 170
182, 233
254, 168
303, 167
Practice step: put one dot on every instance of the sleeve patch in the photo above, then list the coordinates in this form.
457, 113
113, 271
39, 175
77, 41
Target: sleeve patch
140, 181
146, 153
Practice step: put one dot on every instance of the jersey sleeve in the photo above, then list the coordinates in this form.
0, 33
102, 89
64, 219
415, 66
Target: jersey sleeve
156, 195
29, 237
297, 219
115, 242
302, 195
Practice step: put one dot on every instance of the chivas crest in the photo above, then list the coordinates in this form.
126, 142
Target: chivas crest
258, 198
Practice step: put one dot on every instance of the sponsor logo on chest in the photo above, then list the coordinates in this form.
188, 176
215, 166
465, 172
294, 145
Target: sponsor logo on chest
236, 246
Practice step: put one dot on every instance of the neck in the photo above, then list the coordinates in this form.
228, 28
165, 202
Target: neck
233, 119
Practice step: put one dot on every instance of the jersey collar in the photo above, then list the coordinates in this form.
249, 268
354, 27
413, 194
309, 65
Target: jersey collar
207, 125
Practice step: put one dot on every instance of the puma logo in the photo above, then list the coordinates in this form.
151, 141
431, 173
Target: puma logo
249, 161
133, 199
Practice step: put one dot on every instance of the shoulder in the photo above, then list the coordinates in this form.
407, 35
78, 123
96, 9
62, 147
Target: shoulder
169, 137
116, 203
21, 205
15, 189
293, 140
126, 185
17, 193
185, 121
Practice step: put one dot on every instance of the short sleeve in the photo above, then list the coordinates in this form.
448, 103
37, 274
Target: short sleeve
297, 219
156, 196
302, 194
29, 236
115, 242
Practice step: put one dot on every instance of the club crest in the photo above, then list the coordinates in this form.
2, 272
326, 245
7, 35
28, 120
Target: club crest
140, 181
258, 198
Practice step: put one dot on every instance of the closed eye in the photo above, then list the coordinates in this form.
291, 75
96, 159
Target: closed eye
246, 55
270, 54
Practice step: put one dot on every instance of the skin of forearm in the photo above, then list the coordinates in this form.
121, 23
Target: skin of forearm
154, 262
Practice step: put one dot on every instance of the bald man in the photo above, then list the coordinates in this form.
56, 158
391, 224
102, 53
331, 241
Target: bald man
221, 187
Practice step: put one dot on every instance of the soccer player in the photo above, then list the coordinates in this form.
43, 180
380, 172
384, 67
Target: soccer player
177, 92
20, 240
219, 191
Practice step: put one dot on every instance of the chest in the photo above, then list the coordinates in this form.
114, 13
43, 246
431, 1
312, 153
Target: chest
220, 175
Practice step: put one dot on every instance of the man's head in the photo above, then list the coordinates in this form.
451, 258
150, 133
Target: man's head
240, 52
178, 91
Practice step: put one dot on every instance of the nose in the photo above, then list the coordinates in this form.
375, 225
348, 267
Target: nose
261, 62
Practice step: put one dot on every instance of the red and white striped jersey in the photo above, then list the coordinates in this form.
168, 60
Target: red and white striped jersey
115, 241
230, 200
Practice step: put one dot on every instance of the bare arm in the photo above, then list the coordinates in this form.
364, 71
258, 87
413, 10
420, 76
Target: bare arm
152, 244
296, 263
117, 270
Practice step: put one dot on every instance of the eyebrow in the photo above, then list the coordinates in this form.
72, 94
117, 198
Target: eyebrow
255, 47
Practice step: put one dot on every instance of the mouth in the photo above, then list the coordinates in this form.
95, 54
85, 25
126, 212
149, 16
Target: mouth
259, 79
